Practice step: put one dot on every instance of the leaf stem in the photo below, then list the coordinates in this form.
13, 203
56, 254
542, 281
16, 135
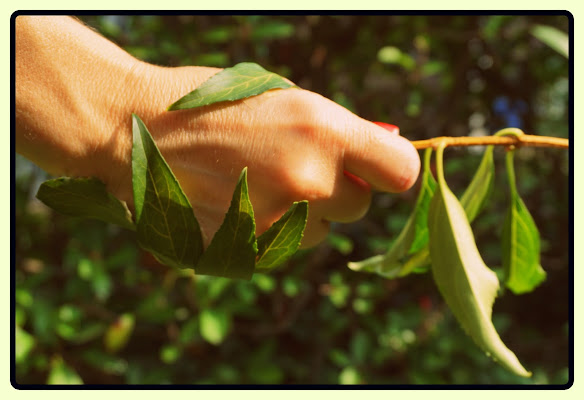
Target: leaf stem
514, 140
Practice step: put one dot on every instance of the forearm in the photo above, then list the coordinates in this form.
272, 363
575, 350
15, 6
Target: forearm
69, 89
75, 92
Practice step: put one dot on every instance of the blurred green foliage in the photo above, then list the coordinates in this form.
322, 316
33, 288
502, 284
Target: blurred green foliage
91, 307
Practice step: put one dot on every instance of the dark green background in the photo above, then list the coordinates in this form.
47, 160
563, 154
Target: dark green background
314, 320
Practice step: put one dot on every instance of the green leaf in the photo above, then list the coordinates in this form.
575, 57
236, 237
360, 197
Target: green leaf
282, 239
473, 201
350, 376
232, 251
215, 325
412, 238
238, 82
554, 38
467, 285
62, 374
481, 186
87, 198
23, 344
520, 242
165, 223
118, 333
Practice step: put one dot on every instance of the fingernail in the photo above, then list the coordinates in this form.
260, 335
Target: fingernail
389, 127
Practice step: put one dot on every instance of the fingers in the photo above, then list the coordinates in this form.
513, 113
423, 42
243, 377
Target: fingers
348, 202
387, 161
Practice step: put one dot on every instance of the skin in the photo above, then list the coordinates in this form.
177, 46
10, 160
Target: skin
76, 91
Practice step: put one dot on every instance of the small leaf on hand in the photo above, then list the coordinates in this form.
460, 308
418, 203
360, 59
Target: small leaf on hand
520, 242
87, 198
165, 223
232, 251
238, 82
467, 285
412, 238
282, 239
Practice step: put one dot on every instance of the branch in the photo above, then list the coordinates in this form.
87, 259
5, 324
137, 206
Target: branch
520, 140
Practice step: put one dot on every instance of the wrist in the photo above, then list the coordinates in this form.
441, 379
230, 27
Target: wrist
146, 90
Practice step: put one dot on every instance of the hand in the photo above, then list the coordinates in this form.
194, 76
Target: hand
73, 114
295, 143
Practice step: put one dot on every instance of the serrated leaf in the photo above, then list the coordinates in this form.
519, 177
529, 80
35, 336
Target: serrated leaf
87, 198
520, 243
412, 238
282, 239
467, 285
165, 223
232, 251
554, 38
238, 82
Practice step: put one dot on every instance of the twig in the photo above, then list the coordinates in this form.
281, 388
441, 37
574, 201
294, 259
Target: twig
521, 140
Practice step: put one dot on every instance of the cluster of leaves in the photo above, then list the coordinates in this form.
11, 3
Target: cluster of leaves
438, 233
165, 223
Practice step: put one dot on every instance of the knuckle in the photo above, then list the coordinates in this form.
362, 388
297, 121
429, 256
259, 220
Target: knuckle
306, 182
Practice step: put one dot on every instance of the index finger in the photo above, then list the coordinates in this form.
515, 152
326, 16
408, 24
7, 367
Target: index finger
388, 162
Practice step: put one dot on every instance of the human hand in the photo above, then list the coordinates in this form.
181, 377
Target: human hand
76, 91
296, 144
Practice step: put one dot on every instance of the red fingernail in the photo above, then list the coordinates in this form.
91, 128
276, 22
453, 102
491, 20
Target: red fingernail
357, 180
389, 127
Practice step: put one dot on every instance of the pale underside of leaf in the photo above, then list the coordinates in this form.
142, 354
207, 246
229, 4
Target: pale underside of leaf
238, 82
233, 249
468, 286
473, 201
283, 238
166, 224
87, 198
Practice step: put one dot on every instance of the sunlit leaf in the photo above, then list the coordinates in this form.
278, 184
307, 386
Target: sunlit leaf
165, 222
520, 242
467, 285
282, 239
232, 251
23, 344
350, 376
554, 38
238, 82
119, 332
62, 374
87, 198
214, 325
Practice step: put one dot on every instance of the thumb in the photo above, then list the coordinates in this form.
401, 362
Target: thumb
387, 161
